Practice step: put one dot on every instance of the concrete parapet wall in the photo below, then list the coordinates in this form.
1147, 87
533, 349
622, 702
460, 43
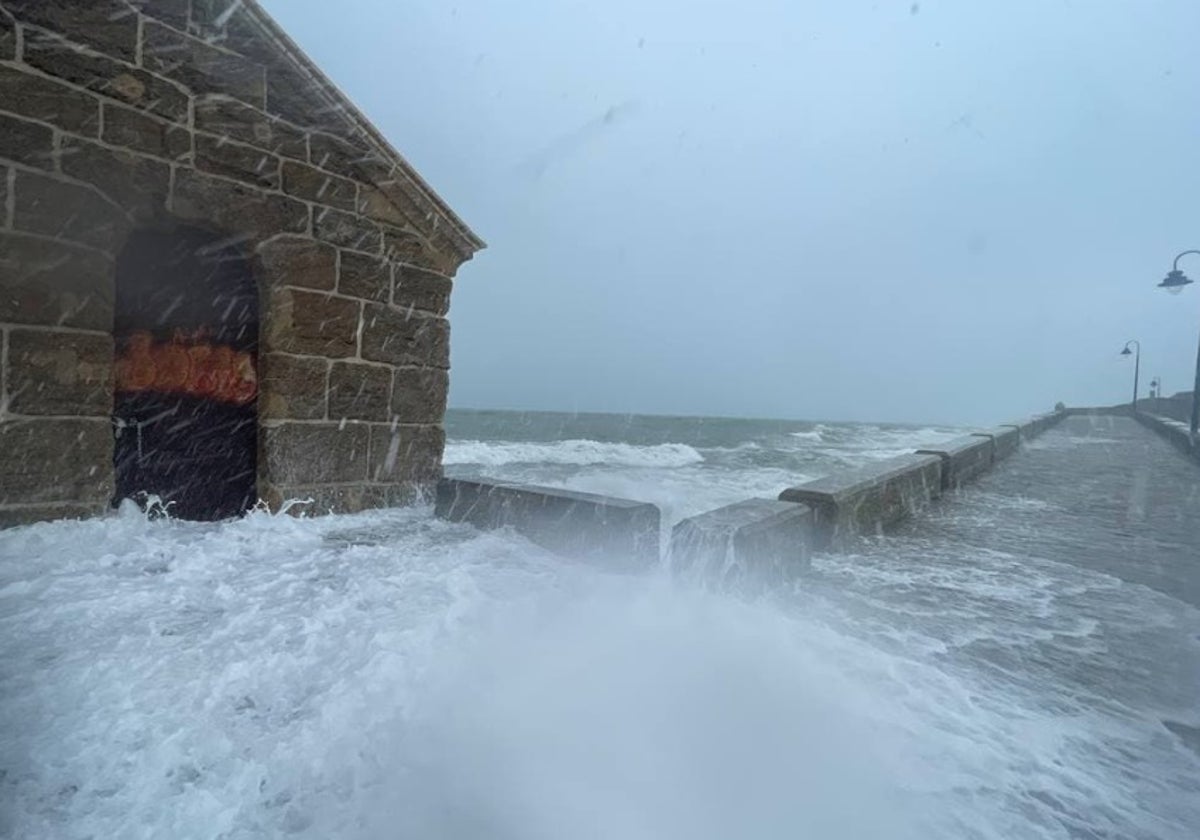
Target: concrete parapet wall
963, 459
618, 533
1005, 440
1052, 419
1175, 431
1039, 423
750, 544
1100, 411
1176, 407
868, 499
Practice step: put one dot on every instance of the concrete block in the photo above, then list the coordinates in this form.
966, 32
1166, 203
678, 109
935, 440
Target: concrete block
1028, 428
963, 459
752, 544
1005, 441
1037, 424
868, 499
616, 533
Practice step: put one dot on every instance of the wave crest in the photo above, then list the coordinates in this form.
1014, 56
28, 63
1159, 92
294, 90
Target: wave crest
578, 452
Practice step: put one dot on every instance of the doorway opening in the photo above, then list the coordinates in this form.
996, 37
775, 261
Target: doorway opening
185, 414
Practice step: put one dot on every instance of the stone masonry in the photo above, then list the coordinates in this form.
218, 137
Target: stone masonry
117, 115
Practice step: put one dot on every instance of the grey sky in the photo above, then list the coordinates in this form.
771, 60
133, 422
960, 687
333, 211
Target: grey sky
951, 211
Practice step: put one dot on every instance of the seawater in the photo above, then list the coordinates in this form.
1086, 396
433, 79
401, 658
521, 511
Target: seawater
685, 465
388, 675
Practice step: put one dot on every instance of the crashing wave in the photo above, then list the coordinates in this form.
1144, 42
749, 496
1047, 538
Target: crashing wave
579, 452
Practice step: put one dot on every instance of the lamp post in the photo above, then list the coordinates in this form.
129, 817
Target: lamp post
1174, 283
1137, 366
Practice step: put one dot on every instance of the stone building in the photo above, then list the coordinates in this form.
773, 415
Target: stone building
218, 282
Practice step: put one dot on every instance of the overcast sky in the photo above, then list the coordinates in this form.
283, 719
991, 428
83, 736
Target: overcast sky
946, 211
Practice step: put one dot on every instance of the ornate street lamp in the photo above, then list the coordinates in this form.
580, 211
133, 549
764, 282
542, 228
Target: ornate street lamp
1137, 366
1174, 283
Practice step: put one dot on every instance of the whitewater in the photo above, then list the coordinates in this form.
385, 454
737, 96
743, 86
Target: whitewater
389, 675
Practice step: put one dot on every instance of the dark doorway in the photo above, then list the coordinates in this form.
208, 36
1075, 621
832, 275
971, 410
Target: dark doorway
185, 414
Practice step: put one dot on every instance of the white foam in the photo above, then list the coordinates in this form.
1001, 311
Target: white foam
814, 434
682, 493
388, 675
855, 445
578, 452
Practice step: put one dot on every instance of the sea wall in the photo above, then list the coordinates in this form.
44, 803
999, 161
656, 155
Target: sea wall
619, 533
1176, 432
1005, 440
1175, 407
868, 499
750, 543
871, 499
963, 459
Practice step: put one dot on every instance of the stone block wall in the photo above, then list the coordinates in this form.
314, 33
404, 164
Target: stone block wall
117, 115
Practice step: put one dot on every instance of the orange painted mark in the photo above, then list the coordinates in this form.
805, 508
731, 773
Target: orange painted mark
189, 365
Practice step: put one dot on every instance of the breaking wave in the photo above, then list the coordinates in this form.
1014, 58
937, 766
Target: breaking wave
812, 434
579, 452
388, 675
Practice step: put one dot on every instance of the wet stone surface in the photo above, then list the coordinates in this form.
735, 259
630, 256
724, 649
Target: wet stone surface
1098, 492
1065, 581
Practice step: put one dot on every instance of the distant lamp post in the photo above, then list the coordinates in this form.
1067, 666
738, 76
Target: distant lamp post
1156, 387
1174, 283
1137, 365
